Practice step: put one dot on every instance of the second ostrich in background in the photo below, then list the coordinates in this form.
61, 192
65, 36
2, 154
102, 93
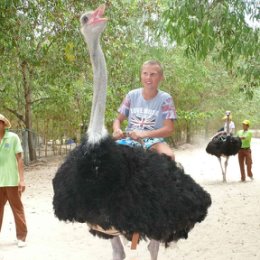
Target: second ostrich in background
118, 189
223, 144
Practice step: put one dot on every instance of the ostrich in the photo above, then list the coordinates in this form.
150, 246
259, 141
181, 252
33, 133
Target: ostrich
223, 144
117, 189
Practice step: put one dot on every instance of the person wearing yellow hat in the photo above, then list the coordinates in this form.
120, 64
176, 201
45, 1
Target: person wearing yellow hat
12, 178
244, 154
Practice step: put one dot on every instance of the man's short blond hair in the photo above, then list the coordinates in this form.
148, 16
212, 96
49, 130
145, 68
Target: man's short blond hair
153, 62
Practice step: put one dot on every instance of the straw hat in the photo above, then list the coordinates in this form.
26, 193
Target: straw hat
5, 120
225, 117
246, 122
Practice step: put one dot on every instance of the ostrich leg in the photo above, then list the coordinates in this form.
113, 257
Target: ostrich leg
153, 247
223, 172
118, 249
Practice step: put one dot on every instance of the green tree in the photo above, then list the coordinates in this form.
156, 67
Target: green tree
38, 42
46, 75
220, 28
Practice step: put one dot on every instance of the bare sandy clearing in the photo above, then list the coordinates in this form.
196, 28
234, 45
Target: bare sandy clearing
230, 232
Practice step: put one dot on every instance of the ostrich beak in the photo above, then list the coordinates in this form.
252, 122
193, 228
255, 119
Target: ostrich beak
96, 16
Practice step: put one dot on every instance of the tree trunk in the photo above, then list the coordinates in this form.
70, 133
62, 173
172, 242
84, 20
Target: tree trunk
46, 136
28, 111
188, 132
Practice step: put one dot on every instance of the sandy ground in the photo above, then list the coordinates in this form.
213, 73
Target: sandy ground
231, 230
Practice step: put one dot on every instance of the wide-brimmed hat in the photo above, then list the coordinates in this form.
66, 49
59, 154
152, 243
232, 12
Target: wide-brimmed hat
225, 117
246, 122
5, 120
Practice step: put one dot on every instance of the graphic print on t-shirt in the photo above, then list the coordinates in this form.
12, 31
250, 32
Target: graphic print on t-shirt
143, 121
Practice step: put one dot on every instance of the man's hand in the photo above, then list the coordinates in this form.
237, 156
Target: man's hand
136, 135
21, 186
118, 134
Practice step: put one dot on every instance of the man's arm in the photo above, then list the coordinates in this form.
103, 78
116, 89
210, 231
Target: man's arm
117, 131
21, 185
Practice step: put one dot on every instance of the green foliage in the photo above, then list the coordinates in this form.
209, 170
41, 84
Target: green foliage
218, 28
45, 36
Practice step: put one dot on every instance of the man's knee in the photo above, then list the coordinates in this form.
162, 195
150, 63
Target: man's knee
163, 148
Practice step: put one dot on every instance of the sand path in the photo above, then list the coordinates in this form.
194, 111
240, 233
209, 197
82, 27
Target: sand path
230, 232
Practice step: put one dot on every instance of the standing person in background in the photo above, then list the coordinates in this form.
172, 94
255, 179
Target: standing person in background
229, 126
228, 118
150, 112
12, 178
244, 154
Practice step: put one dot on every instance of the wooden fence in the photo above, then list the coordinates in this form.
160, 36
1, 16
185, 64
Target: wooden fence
44, 148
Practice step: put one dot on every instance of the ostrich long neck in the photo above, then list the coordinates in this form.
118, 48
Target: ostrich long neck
96, 130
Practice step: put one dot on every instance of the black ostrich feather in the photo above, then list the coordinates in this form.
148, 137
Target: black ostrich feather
224, 145
129, 189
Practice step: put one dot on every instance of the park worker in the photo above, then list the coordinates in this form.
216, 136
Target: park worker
244, 154
12, 178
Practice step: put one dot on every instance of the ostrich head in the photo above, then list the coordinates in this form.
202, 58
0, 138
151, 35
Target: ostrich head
93, 24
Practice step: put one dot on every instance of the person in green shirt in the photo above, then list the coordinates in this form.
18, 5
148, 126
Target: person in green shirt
244, 154
12, 178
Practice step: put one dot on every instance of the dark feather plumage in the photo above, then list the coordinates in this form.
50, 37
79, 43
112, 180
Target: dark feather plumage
224, 144
129, 189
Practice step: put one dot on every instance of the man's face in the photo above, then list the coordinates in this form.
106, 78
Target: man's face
245, 127
151, 76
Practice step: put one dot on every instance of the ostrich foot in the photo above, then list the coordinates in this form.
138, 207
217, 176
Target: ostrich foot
118, 249
153, 247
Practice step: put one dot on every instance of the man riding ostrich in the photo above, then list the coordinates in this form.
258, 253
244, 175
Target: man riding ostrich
117, 189
223, 144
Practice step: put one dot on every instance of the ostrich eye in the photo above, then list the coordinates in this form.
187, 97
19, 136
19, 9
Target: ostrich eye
85, 19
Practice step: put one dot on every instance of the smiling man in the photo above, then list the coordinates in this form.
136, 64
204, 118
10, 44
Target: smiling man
150, 112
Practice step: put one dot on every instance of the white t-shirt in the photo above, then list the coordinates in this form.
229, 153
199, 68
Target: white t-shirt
231, 127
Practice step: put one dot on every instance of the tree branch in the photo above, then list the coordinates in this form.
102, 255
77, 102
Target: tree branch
19, 116
40, 100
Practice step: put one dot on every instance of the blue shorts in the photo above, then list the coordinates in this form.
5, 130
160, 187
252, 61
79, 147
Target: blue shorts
147, 143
